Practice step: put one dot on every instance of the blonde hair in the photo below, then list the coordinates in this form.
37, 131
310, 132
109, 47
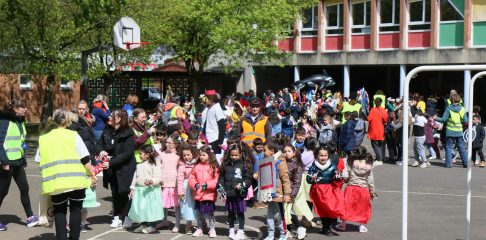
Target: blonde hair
132, 99
100, 98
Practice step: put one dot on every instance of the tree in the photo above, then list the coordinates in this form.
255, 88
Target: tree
224, 32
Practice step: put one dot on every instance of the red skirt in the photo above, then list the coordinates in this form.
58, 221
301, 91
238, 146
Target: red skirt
358, 205
328, 200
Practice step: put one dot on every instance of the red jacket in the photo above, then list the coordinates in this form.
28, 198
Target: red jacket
202, 173
377, 119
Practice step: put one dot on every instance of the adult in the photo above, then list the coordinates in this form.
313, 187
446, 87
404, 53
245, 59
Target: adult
65, 173
379, 94
287, 97
377, 119
117, 140
454, 117
101, 112
351, 106
12, 157
132, 101
214, 122
173, 110
141, 135
254, 125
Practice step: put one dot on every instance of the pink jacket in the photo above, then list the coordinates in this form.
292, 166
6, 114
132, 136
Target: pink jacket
183, 172
202, 173
169, 162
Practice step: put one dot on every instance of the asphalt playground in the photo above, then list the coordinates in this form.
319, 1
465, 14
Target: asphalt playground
437, 206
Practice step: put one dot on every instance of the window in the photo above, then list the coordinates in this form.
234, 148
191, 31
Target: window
389, 15
449, 12
419, 11
66, 85
26, 82
309, 21
334, 18
361, 13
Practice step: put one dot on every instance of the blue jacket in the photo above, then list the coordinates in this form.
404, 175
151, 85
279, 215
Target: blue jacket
288, 126
347, 136
100, 118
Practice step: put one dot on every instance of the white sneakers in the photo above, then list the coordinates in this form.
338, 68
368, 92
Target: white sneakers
240, 235
415, 163
127, 223
231, 233
363, 229
116, 223
378, 163
301, 232
399, 163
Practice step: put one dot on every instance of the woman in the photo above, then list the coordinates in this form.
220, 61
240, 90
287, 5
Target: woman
65, 173
12, 157
132, 101
117, 140
142, 134
101, 112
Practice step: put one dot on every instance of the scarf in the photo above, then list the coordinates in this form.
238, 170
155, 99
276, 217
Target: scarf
99, 105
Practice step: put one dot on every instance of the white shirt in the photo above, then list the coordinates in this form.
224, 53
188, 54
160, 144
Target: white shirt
213, 115
80, 148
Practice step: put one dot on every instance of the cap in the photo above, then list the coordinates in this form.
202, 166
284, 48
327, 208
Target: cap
210, 92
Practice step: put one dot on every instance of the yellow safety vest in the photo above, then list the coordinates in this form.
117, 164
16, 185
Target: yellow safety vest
14, 140
454, 123
173, 112
383, 100
250, 132
60, 163
350, 108
147, 142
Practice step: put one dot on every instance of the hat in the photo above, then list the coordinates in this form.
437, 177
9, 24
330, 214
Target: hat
210, 92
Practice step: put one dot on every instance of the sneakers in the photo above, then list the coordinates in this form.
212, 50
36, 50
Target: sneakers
424, 165
269, 238
476, 163
175, 230
3, 227
127, 223
188, 229
32, 221
288, 234
432, 157
415, 163
84, 228
399, 163
198, 233
481, 164
363, 229
378, 163
116, 223
139, 229
212, 233
341, 226
231, 234
282, 237
149, 230
240, 235
301, 232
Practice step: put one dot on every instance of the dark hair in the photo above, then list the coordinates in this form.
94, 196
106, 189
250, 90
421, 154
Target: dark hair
257, 142
331, 146
15, 103
321, 148
212, 158
246, 157
151, 152
311, 144
354, 115
272, 145
213, 98
137, 112
174, 126
377, 101
297, 155
281, 139
300, 131
123, 115
185, 147
477, 116
193, 135
360, 153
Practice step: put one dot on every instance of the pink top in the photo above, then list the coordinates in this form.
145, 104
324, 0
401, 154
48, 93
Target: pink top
169, 162
201, 174
183, 172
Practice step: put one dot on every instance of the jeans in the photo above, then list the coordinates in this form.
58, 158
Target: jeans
430, 147
419, 149
459, 142
18, 174
275, 209
60, 204
377, 148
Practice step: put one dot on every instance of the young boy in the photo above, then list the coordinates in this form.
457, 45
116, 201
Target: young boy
299, 139
478, 141
258, 154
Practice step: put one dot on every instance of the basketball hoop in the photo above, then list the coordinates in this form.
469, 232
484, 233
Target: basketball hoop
127, 34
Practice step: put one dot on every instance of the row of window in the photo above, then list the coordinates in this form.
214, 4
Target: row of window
389, 16
27, 83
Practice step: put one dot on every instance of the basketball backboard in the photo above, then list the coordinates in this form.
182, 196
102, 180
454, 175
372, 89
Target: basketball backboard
127, 34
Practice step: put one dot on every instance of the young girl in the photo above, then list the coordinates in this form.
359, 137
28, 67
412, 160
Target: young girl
145, 192
187, 162
203, 181
325, 193
419, 122
297, 205
326, 130
234, 181
360, 189
169, 159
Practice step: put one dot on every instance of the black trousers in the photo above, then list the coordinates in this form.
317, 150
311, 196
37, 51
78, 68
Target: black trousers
60, 203
18, 174
477, 151
232, 218
121, 203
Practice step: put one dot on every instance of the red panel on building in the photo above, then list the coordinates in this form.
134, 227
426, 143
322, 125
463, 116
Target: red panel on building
389, 40
360, 41
309, 44
286, 45
419, 39
334, 43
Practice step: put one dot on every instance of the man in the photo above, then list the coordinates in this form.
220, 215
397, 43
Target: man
254, 125
84, 129
351, 106
377, 120
214, 122
287, 97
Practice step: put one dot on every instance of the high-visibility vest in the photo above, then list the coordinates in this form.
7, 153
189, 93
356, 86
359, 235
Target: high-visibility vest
173, 111
60, 163
449, 102
454, 123
383, 100
14, 140
250, 132
350, 108
147, 142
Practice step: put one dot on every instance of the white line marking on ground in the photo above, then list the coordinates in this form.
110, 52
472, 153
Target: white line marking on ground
178, 236
105, 233
437, 194
33, 176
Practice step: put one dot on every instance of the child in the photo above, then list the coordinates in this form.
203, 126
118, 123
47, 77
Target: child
299, 139
359, 190
359, 130
169, 160
325, 193
234, 180
280, 192
347, 138
193, 139
311, 145
478, 141
326, 131
188, 159
429, 136
288, 123
145, 192
298, 204
419, 122
203, 181
258, 155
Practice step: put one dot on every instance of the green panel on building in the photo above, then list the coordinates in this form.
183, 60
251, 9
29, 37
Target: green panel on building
479, 33
451, 34
459, 4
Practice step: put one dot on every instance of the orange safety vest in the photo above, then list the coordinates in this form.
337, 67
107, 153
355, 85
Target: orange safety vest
250, 132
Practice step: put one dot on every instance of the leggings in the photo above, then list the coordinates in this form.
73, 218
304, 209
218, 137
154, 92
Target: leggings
177, 212
232, 218
18, 174
60, 203
295, 222
121, 204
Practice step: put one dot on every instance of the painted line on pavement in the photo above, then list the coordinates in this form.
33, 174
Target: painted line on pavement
29, 175
178, 236
426, 193
105, 233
